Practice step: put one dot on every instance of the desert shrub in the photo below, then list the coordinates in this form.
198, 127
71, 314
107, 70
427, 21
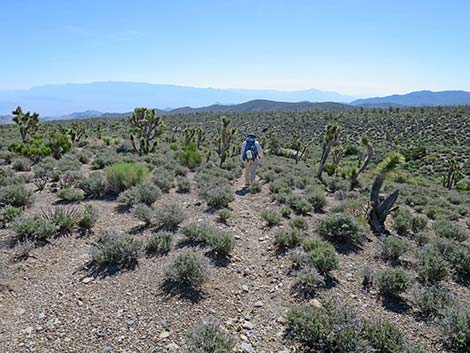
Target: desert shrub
317, 199
115, 250
208, 337
342, 228
169, 216
183, 185
455, 253
431, 301
160, 242
391, 282
463, 185
221, 242
84, 156
218, 196
288, 238
22, 250
383, 336
393, 248
70, 194
21, 165
310, 325
164, 180
432, 266
449, 230
322, 255
224, 214
8, 214
64, 219
197, 232
299, 223
180, 171
95, 185
68, 163
140, 194
456, 329
255, 187
307, 281
285, 212
189, 156
271, 217
70, 178
422, 238
299, 204
34, 228
88, 218
15, 195
188, 269
122, 176
418, 223
144, 213
402, 221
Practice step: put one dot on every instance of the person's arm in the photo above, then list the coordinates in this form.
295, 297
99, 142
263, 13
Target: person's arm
242, 152
259, 149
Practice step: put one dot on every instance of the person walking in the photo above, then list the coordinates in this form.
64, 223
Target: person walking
251, 153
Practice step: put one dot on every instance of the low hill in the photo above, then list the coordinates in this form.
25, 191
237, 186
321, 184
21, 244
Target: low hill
419, 98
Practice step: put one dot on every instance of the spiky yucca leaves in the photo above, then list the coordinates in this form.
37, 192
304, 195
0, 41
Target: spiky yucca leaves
27, 122
225, 139
454, 174
147, 127
330, 139
380, 207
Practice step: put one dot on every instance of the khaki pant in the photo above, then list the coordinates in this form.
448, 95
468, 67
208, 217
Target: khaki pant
250, 171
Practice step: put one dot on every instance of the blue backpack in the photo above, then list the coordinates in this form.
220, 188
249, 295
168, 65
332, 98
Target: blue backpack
251, 152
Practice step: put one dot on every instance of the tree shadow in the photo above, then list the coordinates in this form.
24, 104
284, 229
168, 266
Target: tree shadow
347, 248
395, 304
172, 289
93, 270
138, 229
243, 191
218, 260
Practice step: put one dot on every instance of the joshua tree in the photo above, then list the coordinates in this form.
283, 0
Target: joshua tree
225, 139
330, 139
27, 122
147, 127
354, 170
380, 206
194, 134
76, 132
59, 144
300, 148
453, 175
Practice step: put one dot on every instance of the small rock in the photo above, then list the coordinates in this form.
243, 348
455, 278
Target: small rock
172, 346
107, 349
247, 348
316, 303
243, 337
28, 330
88, 279
245, 288
41, 316
247, 325
258, 304
164, 334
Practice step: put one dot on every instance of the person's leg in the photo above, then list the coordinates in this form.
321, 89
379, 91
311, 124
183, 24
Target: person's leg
247, 173
253, 170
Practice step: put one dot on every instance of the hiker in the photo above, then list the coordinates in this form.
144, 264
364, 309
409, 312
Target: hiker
251, 152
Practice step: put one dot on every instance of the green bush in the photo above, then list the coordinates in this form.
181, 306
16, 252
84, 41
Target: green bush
288, 238
140, 194
95, 185
392, 282
183, 185
88, 218
393, 248
188, 269
402, 221
383, 336
160, 242
307, 281
342, 228
285, 212
21, 164
432, 266
221, 242
15, 195
34, 228
449, 230
271, 217
64, 219
169, 216
70, 194
218, 196
208, 337
122, 176
456, 254
299, 204
317, 199
22, 250
299, 223
456, 329
255, 187
431, 301
224, 214
163, 179
8, 214
322, 255
310, 325
190, 156
144, 213
418, 223
115, 250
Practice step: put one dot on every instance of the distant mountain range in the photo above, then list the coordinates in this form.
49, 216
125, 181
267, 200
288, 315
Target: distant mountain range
57, 101
419, 98
60, 100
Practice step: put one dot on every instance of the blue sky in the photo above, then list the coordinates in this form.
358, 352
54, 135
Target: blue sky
355, 47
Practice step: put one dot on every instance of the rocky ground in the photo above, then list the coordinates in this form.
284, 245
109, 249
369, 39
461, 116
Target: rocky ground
51, 303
